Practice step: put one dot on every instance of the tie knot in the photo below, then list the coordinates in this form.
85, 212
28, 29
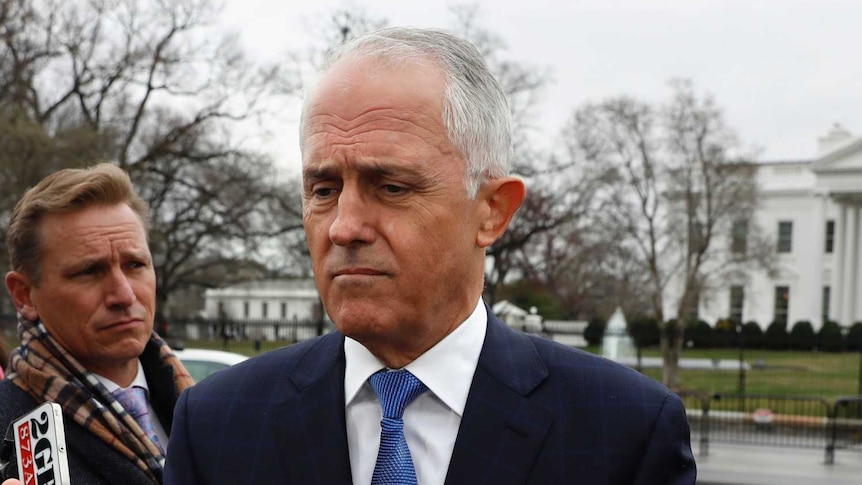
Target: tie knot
395, 390
133, 400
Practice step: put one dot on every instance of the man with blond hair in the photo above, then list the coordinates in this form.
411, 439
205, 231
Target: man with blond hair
84, 287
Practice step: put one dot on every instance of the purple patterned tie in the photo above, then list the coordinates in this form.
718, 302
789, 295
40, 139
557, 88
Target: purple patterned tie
395, 390
134, 401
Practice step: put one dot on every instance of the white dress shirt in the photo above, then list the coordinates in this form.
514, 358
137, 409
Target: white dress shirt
431, 422
140, 381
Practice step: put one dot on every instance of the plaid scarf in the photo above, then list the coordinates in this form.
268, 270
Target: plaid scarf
45, 370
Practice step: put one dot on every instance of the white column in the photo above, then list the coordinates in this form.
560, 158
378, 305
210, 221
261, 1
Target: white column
815, 291
851, 241
853, 294
838, 264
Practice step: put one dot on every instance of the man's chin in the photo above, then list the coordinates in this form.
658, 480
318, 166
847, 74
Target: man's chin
361, 329
128, 348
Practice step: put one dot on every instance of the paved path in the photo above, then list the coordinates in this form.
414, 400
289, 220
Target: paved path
760, 465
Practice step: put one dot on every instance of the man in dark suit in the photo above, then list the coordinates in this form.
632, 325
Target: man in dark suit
405, 144
84, 286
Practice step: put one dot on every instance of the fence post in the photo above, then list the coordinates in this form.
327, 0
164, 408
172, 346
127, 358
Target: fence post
704, 426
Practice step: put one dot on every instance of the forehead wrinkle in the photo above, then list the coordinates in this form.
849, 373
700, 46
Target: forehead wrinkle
335, 144
107, 233
122, 248
390, 119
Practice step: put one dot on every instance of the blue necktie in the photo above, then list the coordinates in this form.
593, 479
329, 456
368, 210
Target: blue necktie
134, 401
395, 390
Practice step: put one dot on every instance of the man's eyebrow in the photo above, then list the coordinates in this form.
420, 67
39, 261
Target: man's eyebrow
374, 169
379, 170
85, 262
137, 253
317, 173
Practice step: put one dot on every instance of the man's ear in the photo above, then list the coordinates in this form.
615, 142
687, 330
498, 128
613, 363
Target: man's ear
503, 196
20, 287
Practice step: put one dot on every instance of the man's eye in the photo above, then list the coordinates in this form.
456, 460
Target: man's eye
394, 189
323, 191
89, 271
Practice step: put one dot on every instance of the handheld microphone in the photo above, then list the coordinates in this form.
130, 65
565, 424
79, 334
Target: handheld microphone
38, 441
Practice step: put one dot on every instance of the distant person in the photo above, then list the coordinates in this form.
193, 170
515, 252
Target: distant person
161, 325
405, 148
83, 284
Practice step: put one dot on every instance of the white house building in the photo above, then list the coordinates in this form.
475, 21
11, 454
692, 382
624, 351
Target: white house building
266, 299
266, 306
812, 210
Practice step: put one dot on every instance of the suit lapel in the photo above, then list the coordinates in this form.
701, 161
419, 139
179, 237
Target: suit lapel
310, 427
501, 431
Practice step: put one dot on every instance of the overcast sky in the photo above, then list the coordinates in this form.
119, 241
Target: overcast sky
783, 70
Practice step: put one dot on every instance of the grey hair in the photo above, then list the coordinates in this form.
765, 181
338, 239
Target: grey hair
475, 110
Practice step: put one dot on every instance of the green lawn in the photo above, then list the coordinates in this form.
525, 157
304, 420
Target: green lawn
798, 373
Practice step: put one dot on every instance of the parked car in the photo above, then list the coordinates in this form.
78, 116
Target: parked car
201, 363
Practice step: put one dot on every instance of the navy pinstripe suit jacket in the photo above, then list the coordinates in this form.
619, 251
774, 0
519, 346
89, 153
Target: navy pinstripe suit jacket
538, 413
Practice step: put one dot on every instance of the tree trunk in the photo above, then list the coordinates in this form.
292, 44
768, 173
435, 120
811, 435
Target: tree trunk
161, 302
671, 348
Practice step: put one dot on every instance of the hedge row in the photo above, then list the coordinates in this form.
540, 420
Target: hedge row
646, 332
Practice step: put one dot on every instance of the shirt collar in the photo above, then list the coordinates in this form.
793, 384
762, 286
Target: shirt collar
446, 369
139, 381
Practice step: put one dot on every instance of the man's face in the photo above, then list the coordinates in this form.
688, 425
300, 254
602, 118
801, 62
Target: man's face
96, 292
392, 234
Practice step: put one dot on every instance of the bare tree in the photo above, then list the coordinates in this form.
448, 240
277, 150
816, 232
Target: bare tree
160, 91
678, 188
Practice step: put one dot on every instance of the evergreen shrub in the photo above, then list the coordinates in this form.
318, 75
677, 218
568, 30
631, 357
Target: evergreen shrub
830, 337
802, 336
698, 335
752, 335
776, 336
854, 337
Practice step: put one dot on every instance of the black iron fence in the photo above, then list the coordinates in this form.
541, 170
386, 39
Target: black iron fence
769, 420
846, 429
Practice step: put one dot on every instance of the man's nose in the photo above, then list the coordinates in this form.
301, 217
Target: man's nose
118, 290
353, 223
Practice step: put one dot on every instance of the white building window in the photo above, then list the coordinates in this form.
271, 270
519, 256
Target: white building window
785, 236
830, 237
